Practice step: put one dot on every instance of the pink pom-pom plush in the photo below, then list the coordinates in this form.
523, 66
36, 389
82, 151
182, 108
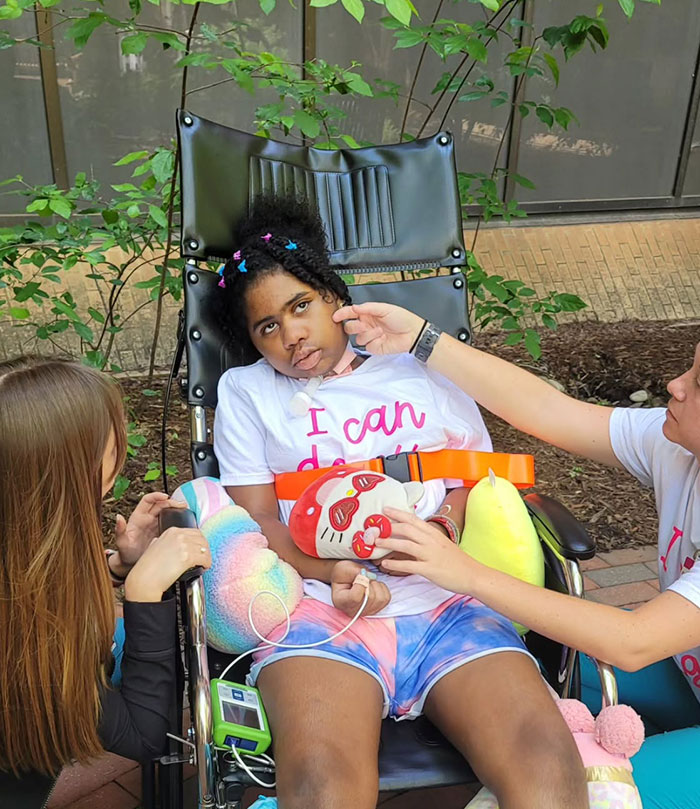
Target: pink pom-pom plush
620, 730
576, 715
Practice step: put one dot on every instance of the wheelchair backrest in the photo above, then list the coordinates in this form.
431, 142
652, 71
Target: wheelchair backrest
387, 210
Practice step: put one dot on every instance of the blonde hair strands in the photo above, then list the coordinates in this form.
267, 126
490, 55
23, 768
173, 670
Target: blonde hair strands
56, 611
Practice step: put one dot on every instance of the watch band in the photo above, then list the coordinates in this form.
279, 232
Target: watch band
425, 345
117, 581
448, 524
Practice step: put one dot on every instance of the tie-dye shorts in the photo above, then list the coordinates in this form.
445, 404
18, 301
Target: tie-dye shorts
406, 655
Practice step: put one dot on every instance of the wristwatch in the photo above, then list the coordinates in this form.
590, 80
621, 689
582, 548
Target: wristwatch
448, 524
426, 342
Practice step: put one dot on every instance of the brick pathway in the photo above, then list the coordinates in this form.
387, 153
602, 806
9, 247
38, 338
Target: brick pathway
623, 578
647, 270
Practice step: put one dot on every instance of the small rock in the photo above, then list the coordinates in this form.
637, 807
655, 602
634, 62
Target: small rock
639, 396
555, 384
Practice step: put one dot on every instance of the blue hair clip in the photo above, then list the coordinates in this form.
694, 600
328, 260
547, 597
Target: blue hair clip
220, 271
242, 267
290, 245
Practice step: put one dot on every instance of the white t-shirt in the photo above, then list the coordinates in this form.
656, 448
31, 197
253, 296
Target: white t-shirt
386, 405
674, 472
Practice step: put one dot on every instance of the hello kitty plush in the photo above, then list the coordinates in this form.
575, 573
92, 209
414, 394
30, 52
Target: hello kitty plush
340, 515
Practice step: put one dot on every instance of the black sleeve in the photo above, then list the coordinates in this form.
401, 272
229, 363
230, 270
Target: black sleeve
135, 718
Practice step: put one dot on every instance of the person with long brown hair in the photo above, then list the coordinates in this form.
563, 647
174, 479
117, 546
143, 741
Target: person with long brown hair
62, 443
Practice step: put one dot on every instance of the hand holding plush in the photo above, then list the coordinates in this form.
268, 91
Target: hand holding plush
341, 514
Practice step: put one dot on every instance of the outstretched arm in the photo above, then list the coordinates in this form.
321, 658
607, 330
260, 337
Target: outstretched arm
522, 399
667, 625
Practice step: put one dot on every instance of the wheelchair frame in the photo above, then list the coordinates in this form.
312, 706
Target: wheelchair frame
208, 207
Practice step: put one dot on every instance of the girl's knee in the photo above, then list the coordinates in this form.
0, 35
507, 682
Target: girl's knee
326, 775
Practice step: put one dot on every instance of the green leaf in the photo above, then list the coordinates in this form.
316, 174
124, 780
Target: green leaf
520, 180
152, 474
532, 343
357, 84
569, 302
149, 392
83, 331
95, 315
355, 7
266, 6
109, 216
19, 313
168, 40
627, 6
545, 115
400, 10
307, 123
65, 309
474, 95
121, 484
553, 66
60, 206
513, 338
38, 206
83, 29
162, 165
409, 37
136, 440
134, 43
130, 158
549, 322
158, 216
322, 3
476, 49
491, 5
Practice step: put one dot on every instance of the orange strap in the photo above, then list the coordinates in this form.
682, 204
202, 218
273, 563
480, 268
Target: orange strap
461, 464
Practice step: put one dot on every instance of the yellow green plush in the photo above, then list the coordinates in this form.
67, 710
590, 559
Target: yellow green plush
498, 532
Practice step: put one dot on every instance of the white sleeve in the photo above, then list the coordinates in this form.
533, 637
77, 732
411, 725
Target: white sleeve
688, 585
239, 437
461, 414
637, 440
462, 418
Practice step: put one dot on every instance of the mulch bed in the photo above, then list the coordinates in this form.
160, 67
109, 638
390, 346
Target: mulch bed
601, 362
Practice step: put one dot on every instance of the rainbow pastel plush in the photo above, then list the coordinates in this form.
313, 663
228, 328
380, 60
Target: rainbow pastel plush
242, 566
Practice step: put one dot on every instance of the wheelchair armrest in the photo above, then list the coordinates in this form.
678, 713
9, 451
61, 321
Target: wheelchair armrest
180, 518
557, 526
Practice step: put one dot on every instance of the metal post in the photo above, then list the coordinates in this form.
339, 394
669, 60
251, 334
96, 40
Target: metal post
52, 100
608, 683
201, 695
574, 585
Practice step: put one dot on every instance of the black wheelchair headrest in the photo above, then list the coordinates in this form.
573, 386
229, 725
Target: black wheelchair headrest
383, 207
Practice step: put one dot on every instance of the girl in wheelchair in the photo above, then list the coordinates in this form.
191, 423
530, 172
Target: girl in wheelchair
656, 646
62, 442
417, 648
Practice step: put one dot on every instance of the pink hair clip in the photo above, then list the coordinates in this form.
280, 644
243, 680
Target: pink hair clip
266, 237
237, 255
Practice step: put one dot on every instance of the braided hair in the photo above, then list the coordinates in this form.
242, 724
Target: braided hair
263, 239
